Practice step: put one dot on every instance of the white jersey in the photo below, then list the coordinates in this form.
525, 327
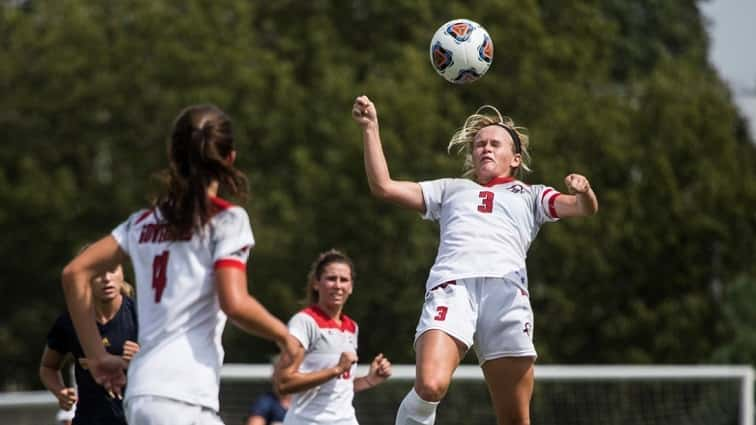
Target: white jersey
180, 320
485, 230
323, 340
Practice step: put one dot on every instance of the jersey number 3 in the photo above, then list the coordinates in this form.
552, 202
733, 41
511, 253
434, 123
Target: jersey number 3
486, 201
159, 268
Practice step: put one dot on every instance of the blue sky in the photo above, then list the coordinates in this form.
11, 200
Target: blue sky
732, 27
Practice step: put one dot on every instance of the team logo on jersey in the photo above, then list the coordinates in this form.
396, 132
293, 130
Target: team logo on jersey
240, 253
516, 188
106, 342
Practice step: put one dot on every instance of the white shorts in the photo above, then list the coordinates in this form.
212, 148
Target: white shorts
491, 314
152, 410
292, 419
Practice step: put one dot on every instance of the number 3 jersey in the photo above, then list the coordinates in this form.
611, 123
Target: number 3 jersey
323, 340
180, 320
485, 230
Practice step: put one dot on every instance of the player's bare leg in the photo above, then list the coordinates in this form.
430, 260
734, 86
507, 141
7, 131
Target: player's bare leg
437, 356
510, 382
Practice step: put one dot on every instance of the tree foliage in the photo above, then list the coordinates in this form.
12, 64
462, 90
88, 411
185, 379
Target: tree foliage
619, 91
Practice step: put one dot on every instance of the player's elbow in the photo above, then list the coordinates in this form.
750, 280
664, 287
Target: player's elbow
232, 307
379, 191
68, 276
283, 385
385, 190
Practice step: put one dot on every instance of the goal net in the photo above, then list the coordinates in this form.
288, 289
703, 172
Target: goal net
564, 395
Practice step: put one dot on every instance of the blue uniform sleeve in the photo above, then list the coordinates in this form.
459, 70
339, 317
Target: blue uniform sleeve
134, 336
58, 337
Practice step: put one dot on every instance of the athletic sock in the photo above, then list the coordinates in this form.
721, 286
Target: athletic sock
416, 411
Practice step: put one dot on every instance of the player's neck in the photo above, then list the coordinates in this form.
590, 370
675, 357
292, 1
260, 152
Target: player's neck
333, 312
105, 311
212, 189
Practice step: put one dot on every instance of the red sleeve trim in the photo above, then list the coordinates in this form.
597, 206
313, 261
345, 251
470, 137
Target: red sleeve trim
545, 192
143, 216
229, 263
552, 207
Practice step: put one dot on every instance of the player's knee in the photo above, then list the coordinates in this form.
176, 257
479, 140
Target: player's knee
431, 389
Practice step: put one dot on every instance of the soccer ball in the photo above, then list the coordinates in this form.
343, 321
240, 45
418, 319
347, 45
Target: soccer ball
461, 51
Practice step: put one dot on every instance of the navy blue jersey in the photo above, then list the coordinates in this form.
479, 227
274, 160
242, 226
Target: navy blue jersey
94, 405
269, 407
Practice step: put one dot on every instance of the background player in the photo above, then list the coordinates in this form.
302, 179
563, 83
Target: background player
270, 407
477, 289
116, 320
189, 255
323, 375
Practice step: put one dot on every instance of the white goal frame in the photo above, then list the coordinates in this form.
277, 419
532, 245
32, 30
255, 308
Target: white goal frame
235, 372
745, 374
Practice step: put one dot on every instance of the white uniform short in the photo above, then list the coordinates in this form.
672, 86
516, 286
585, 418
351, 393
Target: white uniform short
153, 410
491, 314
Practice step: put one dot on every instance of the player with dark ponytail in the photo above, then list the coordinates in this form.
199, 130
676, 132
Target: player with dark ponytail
189, 254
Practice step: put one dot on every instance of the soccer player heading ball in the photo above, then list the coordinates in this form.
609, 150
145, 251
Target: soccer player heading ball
477, 290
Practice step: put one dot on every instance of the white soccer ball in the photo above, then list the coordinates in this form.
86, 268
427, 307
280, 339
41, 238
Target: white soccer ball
461, 51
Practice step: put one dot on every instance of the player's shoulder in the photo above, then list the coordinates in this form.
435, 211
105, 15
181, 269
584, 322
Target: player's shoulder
348, 324
226, 210
319, 318
143, 215
129, 305
449, 184
517, 186
64, 321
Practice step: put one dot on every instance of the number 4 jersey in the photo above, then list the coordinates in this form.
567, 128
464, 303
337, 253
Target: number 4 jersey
485, 230
180, 320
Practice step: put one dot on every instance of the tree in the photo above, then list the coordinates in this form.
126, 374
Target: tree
619, 91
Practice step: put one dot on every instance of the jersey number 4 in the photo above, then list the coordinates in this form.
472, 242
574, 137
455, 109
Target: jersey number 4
486, 201
159, 268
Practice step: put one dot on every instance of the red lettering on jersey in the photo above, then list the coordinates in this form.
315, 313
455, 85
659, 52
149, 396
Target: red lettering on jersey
486, 201
156, 233
159, 271
441, 316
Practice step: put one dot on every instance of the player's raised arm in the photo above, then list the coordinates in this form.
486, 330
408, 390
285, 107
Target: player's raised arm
106, 369
405, 193
580, 202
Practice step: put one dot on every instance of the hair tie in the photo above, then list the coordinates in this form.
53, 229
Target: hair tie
513, 134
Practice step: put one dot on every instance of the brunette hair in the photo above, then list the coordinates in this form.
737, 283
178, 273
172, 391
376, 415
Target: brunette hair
200, 152
317, 267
